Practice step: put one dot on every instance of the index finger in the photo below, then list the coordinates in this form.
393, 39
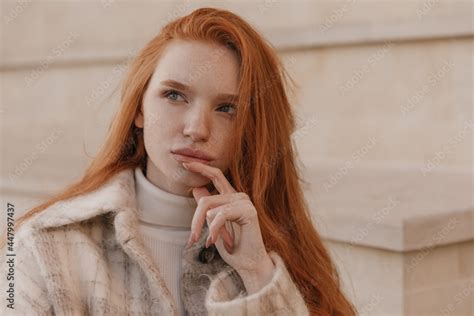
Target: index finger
214, 174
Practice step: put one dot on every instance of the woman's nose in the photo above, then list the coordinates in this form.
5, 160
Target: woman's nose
197, 125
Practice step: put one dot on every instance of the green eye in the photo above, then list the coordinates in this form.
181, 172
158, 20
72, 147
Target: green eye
172, 95
228, 106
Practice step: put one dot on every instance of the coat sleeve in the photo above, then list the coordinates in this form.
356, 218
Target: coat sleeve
22, 282
279, 297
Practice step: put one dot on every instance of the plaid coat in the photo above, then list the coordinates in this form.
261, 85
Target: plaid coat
84, 256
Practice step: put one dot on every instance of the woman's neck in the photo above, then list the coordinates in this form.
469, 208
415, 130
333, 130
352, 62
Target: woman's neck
161, 208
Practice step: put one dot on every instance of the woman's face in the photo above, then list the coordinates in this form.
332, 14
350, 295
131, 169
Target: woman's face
189, 103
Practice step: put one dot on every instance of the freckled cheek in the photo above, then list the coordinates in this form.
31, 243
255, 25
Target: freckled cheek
160, 125
224, 155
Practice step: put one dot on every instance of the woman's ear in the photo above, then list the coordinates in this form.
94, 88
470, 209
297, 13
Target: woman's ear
139, 120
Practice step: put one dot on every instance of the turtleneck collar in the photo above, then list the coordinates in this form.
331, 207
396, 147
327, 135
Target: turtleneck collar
160, 208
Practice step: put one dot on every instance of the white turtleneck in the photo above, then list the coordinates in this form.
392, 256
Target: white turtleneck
165, 224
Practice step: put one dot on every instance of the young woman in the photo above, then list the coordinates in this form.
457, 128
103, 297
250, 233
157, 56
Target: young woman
193, 205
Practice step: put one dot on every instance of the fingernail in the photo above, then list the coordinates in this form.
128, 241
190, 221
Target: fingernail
208, 241
190, 240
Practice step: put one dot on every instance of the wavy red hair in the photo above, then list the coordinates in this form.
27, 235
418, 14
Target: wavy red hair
264, 167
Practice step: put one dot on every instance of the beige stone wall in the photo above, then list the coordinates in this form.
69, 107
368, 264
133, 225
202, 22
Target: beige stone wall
385, 95
365, 91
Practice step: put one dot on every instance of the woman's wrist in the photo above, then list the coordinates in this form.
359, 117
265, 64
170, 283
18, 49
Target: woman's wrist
257, 279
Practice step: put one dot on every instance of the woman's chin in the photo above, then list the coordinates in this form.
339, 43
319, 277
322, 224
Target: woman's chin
195, 180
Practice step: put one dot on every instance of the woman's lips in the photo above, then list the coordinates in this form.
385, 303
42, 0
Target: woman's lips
184, 158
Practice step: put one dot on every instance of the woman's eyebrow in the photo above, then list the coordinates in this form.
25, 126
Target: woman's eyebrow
176, 84
227, 97
179, 85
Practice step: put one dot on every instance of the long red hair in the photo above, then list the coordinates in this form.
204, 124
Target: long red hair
264, 166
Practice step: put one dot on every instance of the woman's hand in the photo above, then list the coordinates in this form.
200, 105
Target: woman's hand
244, 250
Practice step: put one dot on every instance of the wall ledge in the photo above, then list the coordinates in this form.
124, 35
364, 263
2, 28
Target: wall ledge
398, 208
288, 38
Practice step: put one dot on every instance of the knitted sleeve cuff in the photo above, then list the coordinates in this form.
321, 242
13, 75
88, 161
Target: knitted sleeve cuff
279, 297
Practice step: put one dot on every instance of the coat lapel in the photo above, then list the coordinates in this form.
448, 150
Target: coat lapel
117, 196
126, 228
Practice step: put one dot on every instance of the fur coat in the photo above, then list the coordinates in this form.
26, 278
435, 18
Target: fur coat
84, 256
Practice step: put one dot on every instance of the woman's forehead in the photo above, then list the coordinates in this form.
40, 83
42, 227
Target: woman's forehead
199, 65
